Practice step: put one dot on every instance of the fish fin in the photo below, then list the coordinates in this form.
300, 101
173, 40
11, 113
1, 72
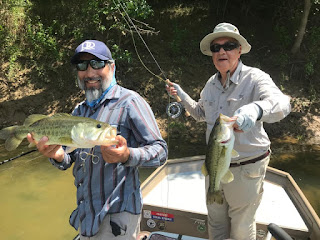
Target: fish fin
70, 149
228, 177
204, 170
34, 118
234, 154
12, 143
12, 140
7, 132
31, 145
61, 115
214, 197
65, 141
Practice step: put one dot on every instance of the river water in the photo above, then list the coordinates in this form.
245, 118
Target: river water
37, 199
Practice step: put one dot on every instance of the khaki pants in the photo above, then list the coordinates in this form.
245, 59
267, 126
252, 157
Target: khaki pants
235, 218
129, 223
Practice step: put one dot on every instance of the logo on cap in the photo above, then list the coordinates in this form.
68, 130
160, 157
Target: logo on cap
87, 46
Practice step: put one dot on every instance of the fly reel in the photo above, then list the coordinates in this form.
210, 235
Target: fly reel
174, 109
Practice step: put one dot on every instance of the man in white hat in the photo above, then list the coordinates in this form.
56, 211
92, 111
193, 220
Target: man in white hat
250, 96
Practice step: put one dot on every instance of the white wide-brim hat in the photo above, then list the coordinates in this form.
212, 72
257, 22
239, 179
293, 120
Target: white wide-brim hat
224, 30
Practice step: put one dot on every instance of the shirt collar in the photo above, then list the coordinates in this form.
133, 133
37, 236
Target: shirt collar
113, 93
235, 78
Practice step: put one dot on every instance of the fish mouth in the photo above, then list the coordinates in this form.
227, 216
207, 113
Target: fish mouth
109, 135
226, 141
226, 118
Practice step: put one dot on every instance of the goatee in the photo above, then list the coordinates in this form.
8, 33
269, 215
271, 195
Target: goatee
93, 93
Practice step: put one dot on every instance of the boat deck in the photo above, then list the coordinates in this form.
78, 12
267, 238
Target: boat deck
275, 206
174, 200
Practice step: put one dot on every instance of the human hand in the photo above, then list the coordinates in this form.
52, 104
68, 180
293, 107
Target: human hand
246, 117
118, 153
174, 90
51, 151
170, 87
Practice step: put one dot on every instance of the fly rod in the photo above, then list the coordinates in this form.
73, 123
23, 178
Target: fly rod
13, 158
174, 110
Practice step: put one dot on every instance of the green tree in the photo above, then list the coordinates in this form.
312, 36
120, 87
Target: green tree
39, 34
302, 28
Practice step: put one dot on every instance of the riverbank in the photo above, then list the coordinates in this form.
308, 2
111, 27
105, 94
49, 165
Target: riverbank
177, 42
300, 131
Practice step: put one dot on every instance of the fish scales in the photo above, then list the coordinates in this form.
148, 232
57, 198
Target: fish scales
218, 157
61, 129
217, 166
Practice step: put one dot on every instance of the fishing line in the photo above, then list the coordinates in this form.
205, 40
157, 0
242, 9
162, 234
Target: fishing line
129, 22
162, 72
175, 109
135, 46
145, 44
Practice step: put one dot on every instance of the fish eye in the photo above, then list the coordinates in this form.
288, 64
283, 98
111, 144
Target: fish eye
99, 125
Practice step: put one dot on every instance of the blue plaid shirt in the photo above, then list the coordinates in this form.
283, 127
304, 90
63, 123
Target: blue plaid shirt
104, 188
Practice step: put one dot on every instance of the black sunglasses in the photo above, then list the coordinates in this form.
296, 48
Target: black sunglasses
228, 46
82, 65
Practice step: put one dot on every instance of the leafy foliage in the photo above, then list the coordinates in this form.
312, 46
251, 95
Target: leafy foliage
40, 34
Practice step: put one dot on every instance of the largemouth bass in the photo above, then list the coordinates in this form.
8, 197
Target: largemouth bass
218, 157
61, 129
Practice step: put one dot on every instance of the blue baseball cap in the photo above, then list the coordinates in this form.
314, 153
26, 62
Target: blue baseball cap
94, 47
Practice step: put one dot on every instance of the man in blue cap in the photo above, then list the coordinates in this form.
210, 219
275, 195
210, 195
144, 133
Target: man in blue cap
107, 180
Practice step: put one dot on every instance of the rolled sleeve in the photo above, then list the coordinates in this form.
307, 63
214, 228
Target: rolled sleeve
143, 156
64, 165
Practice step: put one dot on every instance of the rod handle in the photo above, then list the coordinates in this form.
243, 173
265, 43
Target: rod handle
177, 97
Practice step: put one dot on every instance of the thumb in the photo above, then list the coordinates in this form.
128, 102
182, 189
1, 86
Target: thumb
239, 121
121, 141
169, 82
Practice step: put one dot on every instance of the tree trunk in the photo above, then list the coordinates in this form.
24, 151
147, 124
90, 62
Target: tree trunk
302, 28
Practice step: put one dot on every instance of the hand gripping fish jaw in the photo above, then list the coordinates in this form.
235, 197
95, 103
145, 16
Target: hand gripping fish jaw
226, 133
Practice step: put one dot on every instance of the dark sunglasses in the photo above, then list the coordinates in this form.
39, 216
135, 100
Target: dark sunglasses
95, 64
228, 46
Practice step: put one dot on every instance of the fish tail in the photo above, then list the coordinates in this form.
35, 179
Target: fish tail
12, 140
5, 133
215, 196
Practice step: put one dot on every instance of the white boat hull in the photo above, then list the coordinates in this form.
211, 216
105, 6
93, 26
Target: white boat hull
174, 202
